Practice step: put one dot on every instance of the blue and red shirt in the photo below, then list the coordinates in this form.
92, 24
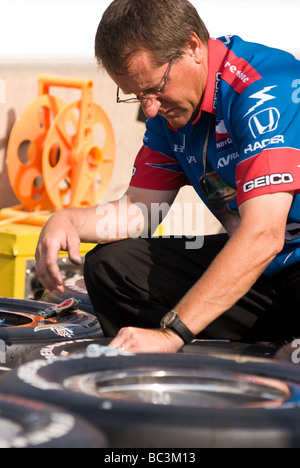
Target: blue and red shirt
244, 143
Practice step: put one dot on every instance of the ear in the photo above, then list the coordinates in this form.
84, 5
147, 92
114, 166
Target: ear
195, 48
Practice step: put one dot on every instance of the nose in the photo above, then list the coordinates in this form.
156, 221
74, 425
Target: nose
150, 107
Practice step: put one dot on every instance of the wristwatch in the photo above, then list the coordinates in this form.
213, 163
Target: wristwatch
172, 321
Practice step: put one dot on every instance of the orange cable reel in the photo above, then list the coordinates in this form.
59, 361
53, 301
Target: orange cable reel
25, 149
70, 153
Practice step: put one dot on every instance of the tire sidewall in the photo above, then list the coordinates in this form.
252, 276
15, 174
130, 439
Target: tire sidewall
160, 425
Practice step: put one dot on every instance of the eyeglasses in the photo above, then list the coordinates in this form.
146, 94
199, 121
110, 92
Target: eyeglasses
150, 95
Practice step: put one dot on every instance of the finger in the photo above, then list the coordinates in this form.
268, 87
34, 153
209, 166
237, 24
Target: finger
54, 276
47, 269
115, 343
50, 277
74, 250
119, 341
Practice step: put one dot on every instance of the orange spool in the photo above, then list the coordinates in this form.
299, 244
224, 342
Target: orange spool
25, 149
77, 169
61, 155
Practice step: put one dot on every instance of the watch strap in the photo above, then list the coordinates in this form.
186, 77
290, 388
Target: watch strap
181, 330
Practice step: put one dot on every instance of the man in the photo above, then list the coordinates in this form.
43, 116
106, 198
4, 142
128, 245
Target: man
224, 117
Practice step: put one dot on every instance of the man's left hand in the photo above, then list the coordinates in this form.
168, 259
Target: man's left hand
140, 340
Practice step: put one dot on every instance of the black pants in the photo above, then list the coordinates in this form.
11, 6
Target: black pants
136, 282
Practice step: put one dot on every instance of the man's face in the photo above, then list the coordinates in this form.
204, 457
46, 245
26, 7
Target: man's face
182, 95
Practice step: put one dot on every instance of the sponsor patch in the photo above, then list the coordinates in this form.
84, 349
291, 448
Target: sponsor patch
63, 332
267, 180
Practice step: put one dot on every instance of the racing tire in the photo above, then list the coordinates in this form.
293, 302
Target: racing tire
224, 347
171, 401
199, 347
74, 287
65, 349
3, 370
22, 329
26, 423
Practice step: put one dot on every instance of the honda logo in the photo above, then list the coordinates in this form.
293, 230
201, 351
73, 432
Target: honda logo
264, 122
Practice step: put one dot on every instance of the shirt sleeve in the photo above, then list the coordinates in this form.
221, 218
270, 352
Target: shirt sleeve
266, 126
156, 167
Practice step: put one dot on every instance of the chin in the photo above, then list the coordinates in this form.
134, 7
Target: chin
179, 120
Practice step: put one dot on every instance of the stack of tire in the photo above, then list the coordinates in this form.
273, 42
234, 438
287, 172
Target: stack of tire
23, 329
62, 386
24, 332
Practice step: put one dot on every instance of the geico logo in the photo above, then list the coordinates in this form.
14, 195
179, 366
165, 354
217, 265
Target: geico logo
265, 181
260, 145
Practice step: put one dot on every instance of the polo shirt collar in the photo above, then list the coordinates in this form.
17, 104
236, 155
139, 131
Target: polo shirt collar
216, 56
217, 52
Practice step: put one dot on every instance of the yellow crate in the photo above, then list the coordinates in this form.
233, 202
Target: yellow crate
17, 251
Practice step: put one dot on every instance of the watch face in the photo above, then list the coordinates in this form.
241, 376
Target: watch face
169, 318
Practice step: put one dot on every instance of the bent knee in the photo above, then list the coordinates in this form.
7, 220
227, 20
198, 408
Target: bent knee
116, 259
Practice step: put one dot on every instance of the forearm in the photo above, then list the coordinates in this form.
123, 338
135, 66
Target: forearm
66, 229
129, 217
234, 271
259, 238
107, 222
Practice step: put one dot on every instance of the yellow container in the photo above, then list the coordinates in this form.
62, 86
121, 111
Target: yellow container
17, 252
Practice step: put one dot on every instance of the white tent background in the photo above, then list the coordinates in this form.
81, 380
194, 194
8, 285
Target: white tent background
47, 30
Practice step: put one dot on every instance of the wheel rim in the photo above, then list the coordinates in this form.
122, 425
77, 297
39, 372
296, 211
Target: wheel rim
197, 388
17, 319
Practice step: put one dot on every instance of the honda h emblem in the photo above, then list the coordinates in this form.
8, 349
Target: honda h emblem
264, 122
